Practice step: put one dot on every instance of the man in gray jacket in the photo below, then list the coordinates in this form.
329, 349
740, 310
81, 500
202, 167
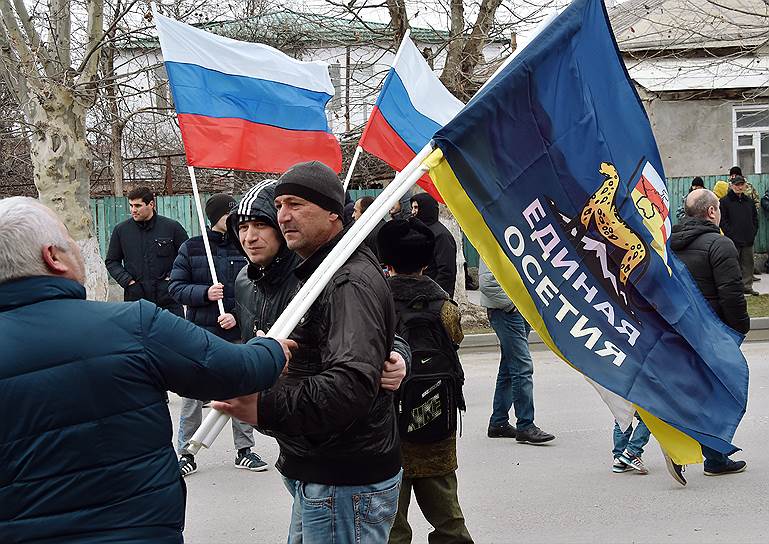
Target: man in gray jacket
515, 386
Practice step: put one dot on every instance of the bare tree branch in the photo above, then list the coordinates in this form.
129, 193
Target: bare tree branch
90, 64
27, 60
34, 38
61, 31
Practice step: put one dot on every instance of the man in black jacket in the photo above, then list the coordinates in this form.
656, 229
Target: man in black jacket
739, 221
712, 261
192, 285
334, 423
443, 267
142, 250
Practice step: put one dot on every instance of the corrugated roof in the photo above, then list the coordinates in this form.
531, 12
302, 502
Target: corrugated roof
690, 24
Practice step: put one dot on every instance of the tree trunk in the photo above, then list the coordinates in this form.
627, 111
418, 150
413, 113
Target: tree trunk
61, 163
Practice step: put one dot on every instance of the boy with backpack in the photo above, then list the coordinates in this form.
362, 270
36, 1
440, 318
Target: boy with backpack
431, 395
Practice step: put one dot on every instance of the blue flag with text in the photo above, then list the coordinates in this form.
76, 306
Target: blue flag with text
554, 175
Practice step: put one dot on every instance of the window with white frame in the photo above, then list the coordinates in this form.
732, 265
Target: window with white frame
751, 138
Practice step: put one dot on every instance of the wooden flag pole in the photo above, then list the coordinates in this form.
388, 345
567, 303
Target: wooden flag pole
312, 288
202, 222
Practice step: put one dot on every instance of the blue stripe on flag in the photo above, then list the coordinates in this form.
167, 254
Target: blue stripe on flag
414, 128
201, 91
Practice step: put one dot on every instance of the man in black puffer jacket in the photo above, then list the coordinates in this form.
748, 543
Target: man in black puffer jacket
711, 258
712, 261
443, 267
191, 284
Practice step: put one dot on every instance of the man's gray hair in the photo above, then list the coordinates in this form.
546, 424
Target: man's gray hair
698, 201
26, 226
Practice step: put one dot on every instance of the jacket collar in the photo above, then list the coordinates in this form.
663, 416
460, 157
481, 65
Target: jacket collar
308, 266
275, 272
33, 289
149, 223
218, 238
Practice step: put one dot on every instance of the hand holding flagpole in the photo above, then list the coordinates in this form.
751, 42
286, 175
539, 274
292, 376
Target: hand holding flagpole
206, 243
284, 325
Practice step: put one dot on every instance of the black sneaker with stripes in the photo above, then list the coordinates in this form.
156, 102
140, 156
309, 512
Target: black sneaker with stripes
250, 461
187, 465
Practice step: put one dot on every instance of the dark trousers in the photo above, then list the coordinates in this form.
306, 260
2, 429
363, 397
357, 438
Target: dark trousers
746, 264
438, 501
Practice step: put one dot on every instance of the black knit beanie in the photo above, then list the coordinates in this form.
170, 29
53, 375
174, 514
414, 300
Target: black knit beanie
314, 182
406, 244
217, 206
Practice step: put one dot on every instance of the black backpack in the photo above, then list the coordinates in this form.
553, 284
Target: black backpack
429, 397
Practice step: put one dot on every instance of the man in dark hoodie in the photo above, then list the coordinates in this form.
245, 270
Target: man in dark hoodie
739, 221
333, 420
191, 284
713, 263
443, 267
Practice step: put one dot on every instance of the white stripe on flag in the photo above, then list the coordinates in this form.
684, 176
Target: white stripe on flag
186, 44
427, 93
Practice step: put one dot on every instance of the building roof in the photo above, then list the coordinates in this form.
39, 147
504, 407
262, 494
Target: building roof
674, 25
695, 74
312, 30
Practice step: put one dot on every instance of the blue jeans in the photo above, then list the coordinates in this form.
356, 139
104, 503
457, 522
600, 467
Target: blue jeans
632, 440
713, 459
515, 386
336, 514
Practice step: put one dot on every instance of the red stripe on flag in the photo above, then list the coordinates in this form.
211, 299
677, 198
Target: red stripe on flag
212, 142
382, 141
647, 188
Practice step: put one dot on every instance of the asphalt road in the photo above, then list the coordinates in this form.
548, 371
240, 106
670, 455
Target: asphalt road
562, 492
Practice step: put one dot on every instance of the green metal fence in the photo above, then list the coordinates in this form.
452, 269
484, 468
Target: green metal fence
679, 188
109, 211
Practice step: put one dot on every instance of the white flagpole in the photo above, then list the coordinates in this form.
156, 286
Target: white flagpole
199, 209
284, 326
358, 149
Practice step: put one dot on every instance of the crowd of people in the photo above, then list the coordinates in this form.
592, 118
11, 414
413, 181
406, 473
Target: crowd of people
362, 399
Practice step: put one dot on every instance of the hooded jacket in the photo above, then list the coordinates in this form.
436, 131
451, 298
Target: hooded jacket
334, 423
261, 292
713, 263
191, 277
86, 440
144, 251
443, 267
739, 218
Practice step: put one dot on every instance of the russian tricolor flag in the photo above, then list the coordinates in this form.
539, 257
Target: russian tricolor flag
246, 106
412, 105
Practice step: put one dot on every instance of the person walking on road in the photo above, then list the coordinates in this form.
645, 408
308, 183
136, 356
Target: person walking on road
712, 259
515, 384
142, 251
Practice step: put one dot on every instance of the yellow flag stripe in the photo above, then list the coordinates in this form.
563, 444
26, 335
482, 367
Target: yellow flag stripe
681, 448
